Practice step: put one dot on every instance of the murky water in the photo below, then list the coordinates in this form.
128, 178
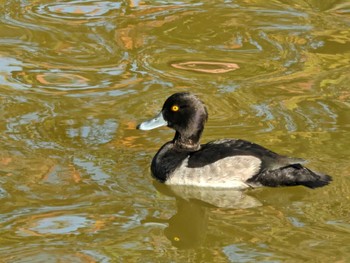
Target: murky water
76, 77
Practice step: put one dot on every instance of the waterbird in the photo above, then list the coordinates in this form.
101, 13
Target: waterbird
224, 163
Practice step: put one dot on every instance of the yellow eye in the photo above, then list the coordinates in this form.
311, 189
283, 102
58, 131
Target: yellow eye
177, 239
175, 108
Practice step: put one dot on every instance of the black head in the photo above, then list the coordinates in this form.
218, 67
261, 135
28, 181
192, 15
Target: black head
185, 113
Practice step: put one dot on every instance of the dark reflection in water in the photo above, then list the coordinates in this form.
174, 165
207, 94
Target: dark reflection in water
188, 227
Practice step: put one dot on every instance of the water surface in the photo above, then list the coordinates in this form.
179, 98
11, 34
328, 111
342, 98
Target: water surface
77, 76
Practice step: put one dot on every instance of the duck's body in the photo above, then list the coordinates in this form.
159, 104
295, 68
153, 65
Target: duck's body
226, 163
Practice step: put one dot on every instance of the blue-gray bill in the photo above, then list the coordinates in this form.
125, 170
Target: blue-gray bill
157, 121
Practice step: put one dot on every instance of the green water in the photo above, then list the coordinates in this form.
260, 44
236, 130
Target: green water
77, 76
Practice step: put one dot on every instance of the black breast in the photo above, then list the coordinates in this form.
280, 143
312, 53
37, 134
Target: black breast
167, 159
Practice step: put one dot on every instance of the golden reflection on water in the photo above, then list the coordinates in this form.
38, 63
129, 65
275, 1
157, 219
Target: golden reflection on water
76, 77
206, 66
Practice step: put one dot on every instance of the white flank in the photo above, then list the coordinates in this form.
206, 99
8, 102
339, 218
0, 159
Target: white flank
230, 172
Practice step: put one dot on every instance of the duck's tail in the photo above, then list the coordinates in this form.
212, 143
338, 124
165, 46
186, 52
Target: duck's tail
294, 174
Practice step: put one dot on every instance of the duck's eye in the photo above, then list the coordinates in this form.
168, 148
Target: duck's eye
175, 108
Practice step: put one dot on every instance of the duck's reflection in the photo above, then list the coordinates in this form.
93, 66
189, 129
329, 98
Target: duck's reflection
188, 227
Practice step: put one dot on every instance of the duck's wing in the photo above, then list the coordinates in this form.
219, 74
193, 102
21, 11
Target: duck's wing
263, 167
217, 150
294, 174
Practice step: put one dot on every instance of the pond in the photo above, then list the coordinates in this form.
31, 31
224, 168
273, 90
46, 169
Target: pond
76, 77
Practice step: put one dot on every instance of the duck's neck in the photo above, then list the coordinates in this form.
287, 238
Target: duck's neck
190, 143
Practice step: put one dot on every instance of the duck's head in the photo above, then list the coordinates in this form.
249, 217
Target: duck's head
186, 114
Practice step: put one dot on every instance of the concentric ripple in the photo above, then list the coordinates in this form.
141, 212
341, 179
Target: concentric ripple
73, 11
55, 79
79, 8
60, 45
206, 66
67, 34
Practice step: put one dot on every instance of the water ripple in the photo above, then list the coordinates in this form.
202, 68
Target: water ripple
50, 254
270, 52
53, 224
206, 66
57, 58
76, 76
76, 12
